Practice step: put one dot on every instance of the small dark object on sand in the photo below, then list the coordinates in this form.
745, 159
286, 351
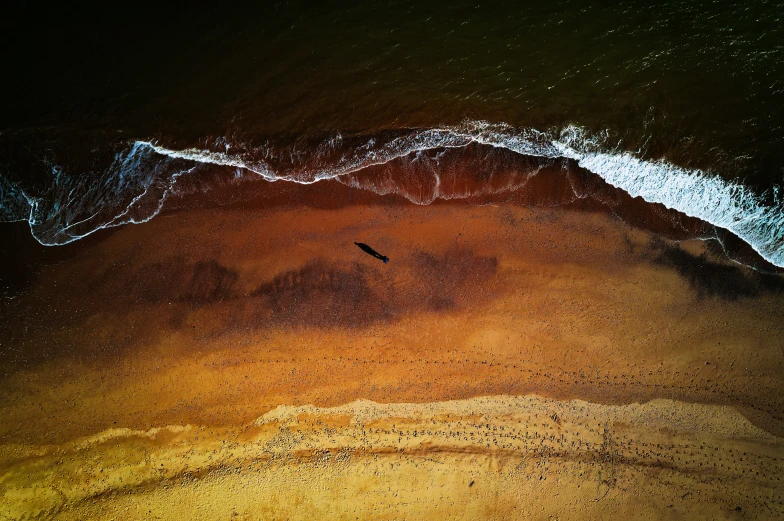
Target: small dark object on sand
370, 251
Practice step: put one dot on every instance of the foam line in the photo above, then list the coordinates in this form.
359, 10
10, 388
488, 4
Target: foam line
696, 193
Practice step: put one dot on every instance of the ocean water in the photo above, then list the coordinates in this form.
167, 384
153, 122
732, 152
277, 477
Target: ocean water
110, 114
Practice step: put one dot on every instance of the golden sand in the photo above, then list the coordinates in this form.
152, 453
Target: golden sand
493, 457
236, 363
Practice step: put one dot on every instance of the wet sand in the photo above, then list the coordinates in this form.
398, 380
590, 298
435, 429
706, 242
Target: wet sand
200, 322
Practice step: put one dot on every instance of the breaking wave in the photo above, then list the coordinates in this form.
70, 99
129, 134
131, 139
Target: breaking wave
140, 179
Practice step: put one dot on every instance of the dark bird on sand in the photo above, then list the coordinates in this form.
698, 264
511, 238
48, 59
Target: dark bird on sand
370, 251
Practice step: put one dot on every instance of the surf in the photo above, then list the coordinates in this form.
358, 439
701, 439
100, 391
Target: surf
135, 187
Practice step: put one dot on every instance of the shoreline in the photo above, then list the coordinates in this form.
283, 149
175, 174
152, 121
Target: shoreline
473, 174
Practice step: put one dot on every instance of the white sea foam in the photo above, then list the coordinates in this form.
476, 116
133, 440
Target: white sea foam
725, 204
696, 193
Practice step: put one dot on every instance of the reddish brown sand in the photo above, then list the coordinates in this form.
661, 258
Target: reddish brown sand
627, 376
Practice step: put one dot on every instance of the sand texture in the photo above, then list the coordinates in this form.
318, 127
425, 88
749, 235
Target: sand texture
493, 457
508, 363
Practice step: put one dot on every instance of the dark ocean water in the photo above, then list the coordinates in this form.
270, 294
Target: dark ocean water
110, 112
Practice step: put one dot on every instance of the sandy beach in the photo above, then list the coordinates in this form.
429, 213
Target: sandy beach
509, 362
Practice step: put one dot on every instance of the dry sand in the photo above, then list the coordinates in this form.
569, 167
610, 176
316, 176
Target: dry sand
496, 457
621, 375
